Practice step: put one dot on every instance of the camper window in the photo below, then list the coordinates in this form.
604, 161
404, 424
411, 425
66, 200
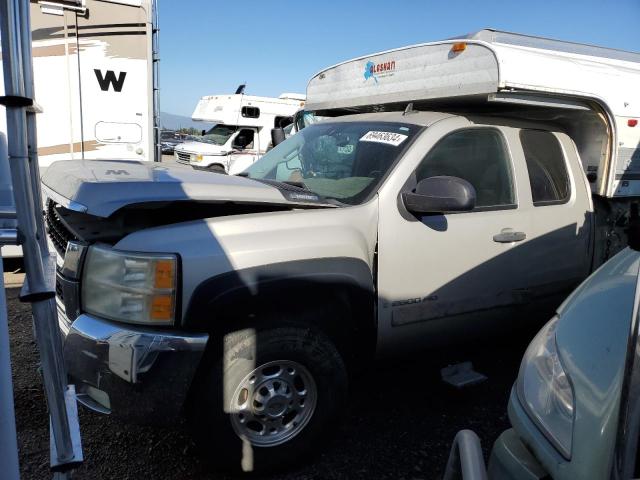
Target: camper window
218, 135
250, 112
547, 167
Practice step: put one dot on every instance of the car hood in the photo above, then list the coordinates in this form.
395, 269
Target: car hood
102, 187
204, 148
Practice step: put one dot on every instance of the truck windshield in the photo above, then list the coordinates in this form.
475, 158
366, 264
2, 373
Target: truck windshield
345, 161
218, 134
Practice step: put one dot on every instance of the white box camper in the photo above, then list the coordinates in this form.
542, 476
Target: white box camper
94, 79
591, 91
242, 133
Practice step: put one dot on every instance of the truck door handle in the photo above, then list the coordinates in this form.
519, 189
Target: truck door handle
507, 235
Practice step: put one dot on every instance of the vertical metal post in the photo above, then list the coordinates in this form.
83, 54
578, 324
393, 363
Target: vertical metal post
155, 81
8, 440
39, 288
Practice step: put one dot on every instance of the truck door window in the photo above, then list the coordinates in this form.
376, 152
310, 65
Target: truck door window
244, 139
547, 167
479, 156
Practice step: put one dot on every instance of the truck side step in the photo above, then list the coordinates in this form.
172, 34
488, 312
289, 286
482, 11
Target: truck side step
461, 375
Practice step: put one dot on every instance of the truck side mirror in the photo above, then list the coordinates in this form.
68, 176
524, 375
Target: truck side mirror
440, 195
277, 136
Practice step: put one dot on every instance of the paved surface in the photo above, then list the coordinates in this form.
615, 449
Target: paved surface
400, 423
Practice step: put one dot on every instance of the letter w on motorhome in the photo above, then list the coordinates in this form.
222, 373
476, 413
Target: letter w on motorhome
110, 79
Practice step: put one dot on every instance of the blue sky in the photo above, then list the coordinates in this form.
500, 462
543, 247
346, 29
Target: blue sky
211, 46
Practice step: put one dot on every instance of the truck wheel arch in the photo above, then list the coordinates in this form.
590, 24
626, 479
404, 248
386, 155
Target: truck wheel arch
304, 291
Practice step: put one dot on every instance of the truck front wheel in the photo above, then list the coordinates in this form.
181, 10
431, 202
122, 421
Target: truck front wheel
217, 168
270, 401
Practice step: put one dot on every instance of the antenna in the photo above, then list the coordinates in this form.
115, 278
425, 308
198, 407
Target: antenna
409, 109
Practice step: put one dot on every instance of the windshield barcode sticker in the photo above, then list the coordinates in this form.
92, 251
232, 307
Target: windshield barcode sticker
390, 138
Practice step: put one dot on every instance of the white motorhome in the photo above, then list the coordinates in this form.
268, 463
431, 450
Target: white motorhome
242, 133
94, 76
94, 79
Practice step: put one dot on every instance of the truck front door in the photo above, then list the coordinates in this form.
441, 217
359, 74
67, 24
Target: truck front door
435, 271
245, 150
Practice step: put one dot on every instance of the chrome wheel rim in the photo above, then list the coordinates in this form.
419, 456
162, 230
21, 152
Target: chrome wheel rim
273, 403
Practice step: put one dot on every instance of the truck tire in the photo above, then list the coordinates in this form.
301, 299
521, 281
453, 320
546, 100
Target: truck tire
270, 401
217, 168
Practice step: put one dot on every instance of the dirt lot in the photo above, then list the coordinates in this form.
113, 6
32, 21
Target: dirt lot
400, 423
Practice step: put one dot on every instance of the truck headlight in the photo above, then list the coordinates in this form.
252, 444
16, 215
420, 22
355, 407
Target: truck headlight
545, 390
197, 158
130, 287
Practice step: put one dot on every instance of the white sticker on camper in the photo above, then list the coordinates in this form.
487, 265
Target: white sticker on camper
390, 138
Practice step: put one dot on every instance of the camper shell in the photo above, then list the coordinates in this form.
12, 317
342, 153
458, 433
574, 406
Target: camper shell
591, 92
242, 130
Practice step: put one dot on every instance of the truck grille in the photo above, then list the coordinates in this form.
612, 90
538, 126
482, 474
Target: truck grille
58, 232
59, 291
183, 157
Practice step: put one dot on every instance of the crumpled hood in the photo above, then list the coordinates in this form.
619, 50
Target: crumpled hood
102, 187
203, 148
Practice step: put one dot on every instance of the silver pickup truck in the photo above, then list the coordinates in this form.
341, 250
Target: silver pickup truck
246, 302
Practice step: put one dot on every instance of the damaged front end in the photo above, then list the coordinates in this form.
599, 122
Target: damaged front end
125, 348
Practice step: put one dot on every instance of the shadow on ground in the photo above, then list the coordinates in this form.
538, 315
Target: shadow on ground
400, 423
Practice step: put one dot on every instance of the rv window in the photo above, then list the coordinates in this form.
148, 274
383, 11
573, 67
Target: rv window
218, 135
250, 112
479, 156
547, 167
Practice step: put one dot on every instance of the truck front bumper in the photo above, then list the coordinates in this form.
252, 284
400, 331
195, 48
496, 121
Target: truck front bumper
139, 374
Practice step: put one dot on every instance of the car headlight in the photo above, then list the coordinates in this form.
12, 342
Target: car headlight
197, 158
130, 287
545, 390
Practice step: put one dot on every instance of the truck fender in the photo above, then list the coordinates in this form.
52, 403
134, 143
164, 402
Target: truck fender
250, 292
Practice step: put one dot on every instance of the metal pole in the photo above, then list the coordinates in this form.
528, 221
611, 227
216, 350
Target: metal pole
8, 440
32, 141
39, 288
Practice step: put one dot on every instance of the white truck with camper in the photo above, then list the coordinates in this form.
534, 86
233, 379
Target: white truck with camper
95, 80
460, 184
242, 130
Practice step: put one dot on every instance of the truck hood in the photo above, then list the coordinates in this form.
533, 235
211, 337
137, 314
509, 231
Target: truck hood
203, 148
102, 187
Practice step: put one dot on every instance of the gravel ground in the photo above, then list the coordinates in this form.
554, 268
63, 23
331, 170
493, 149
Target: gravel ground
400, 423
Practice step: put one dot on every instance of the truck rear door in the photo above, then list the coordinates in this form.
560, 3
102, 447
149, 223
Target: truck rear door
558, 205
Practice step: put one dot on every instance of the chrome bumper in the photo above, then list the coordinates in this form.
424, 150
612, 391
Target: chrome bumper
137, 373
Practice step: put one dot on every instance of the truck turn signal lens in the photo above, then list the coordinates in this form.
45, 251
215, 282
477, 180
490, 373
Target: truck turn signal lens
164, 274
162, 307
459, 47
